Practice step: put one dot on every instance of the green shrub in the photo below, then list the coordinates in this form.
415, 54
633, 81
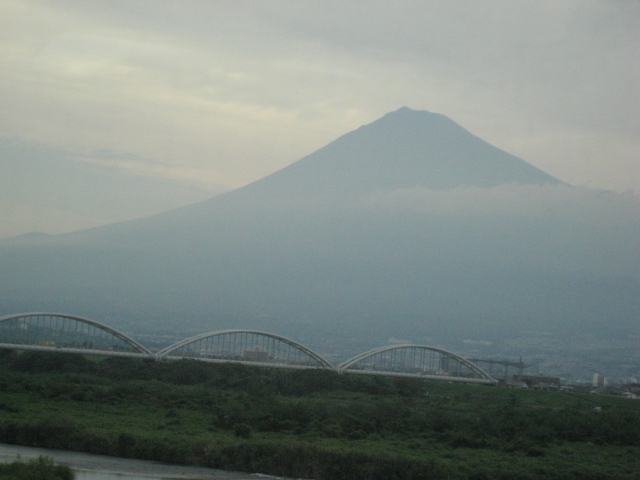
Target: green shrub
41, 468
242, 430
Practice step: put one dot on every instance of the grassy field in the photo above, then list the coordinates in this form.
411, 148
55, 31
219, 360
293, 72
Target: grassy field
312, 424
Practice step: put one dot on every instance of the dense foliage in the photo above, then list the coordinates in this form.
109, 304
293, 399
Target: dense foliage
41, 468
312, 424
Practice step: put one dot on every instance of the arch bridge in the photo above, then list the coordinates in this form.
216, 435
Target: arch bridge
417, 361
70, 333
66, 333
246, 346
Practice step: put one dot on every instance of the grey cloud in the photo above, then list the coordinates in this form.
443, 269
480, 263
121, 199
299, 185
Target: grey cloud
241, 89
563, 202
45, 189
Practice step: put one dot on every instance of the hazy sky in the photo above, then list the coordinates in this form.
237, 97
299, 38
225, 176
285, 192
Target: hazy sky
113, 109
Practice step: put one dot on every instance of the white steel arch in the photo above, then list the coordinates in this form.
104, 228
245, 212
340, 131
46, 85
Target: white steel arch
420, 361
203, 347
61, 323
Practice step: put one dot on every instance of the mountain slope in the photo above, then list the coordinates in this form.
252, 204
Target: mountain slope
410, 220
403, 149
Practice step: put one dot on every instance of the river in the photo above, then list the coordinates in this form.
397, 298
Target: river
100, 467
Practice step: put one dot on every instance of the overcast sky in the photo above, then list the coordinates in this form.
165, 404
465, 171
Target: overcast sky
113, 109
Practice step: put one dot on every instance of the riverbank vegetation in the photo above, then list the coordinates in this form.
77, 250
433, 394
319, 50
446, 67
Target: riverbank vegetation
41, 468
312, 424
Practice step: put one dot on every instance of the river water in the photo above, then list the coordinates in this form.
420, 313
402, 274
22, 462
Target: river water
100, 467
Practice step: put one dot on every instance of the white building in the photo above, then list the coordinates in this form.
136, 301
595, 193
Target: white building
599, 381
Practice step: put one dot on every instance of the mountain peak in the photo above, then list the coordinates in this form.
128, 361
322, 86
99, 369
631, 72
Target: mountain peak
406, 114
406, 111
405, 148
410, 112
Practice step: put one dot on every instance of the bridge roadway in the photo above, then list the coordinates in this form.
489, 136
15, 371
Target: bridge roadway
42, 331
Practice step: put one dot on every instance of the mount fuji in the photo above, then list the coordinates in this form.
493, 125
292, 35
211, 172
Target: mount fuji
410, 226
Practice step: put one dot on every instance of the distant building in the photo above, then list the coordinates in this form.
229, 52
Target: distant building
598, 380
538, 381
